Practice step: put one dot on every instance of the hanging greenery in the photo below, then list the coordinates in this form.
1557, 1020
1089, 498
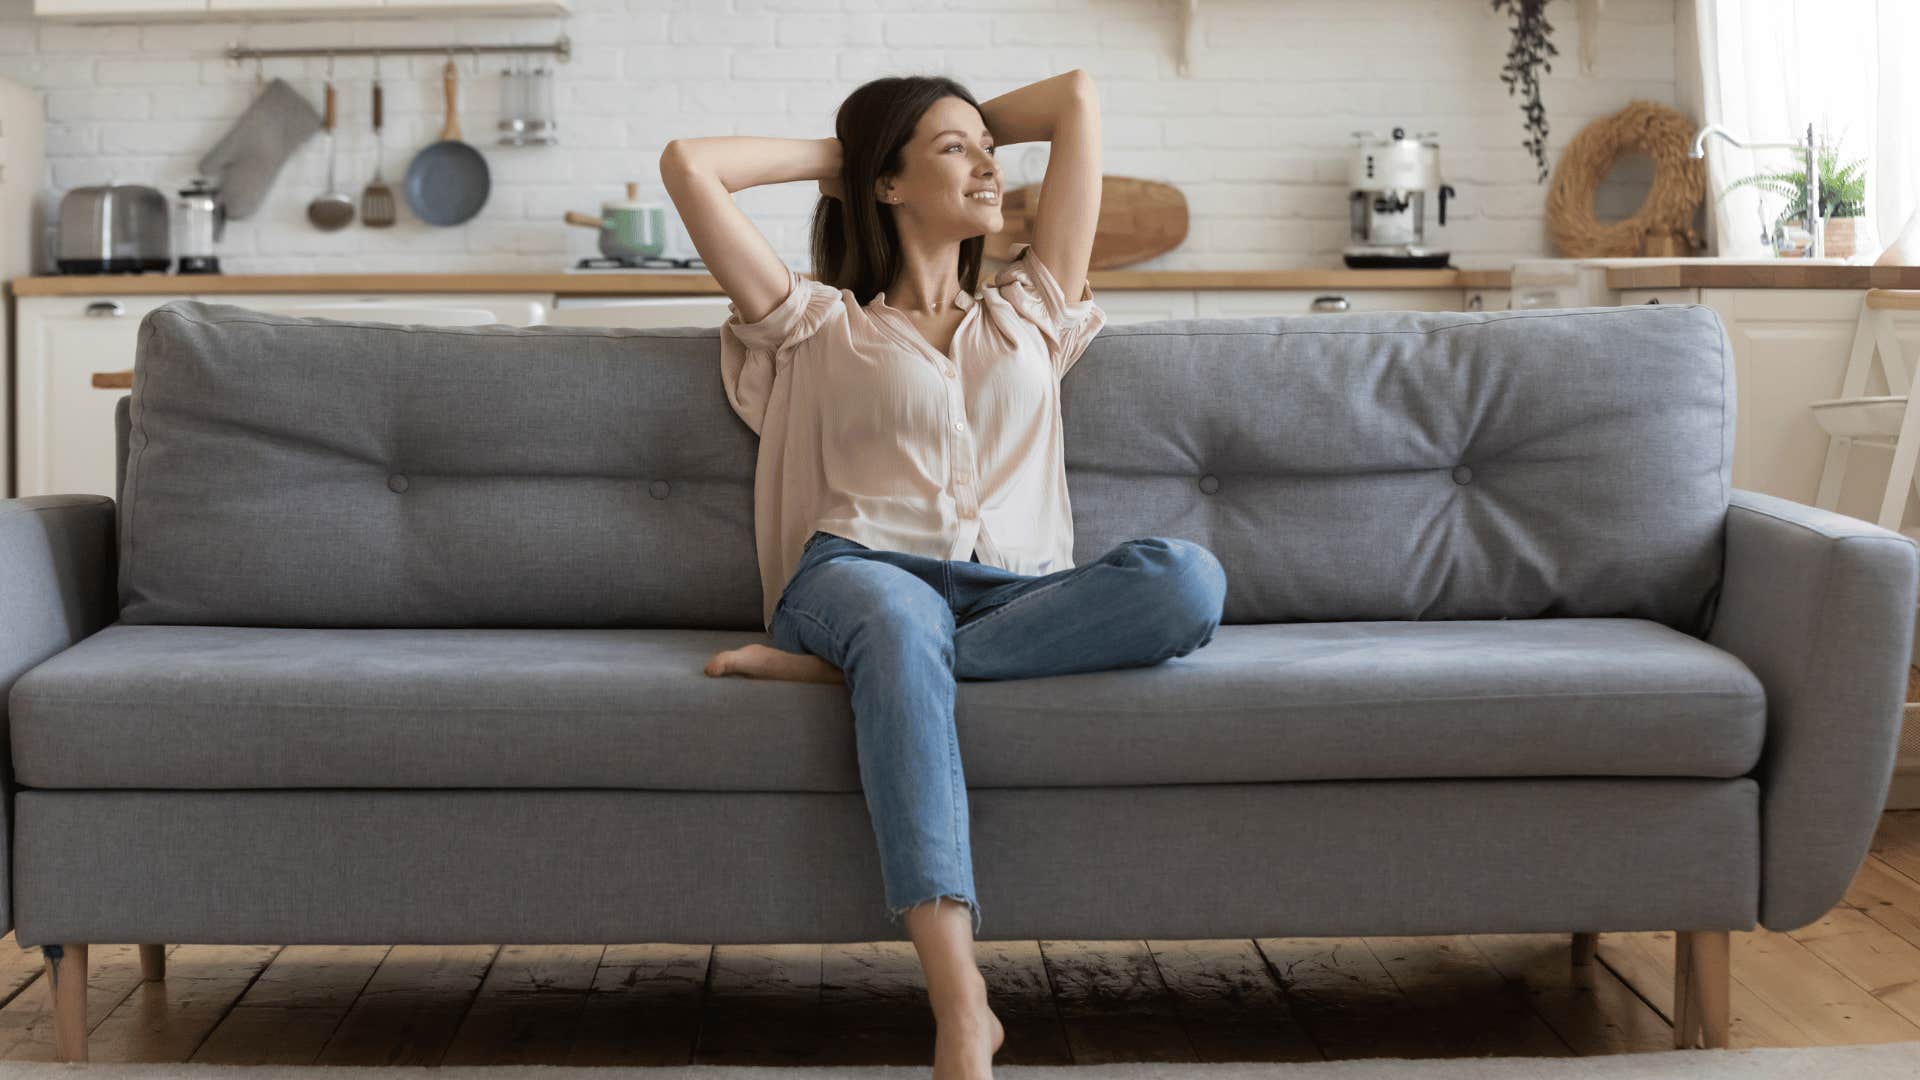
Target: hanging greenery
1526, 58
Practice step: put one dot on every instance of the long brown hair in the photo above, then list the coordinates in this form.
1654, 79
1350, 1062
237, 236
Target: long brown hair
856, 244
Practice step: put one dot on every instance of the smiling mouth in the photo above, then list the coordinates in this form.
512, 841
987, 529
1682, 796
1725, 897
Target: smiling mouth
991, 198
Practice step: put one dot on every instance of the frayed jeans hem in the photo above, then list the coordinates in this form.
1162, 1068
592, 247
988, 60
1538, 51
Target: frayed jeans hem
894, 914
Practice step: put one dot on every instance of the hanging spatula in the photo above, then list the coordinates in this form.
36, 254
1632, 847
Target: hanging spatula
376, 203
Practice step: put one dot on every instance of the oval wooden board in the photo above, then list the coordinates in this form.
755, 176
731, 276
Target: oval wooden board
1138, 220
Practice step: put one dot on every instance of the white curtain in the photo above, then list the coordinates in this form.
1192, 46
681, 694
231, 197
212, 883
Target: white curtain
1851, 68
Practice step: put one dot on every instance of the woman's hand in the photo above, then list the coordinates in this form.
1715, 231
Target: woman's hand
831, 187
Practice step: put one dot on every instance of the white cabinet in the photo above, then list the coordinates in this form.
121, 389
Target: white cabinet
1790, 349
92, 11
1145, 305
435, 309
1629, 297
66, 438
66, 435
127, 8
1240, 303
705, 310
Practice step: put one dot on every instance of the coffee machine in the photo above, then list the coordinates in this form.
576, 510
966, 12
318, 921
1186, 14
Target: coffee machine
1391, 179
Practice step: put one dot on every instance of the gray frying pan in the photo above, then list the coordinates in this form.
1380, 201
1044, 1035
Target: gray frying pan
448, 181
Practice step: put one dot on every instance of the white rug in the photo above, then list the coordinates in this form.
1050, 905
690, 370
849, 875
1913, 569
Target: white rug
1883, 1061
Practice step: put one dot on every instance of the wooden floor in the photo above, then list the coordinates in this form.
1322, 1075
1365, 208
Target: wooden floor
1852, 977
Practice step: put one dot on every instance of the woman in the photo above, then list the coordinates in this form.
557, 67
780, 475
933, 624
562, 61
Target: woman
910, 501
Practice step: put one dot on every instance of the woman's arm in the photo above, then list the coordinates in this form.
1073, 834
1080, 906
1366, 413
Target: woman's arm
701, 175
1065, 111
1030, 113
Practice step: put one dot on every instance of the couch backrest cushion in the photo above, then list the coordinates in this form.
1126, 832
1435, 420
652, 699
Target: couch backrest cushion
1401, 465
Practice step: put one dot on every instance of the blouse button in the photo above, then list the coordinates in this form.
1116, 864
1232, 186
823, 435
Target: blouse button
959, 425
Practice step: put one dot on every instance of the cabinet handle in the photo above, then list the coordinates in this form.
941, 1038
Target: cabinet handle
100, 309
1330, 303
113, 380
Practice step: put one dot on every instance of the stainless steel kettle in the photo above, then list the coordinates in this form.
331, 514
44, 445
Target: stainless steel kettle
111, 229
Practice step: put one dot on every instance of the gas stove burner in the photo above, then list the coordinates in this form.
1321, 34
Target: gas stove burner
638, 262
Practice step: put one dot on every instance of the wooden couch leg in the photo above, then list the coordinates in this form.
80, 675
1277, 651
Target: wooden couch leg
67, 982
1702, 988
153, 962
1583, 949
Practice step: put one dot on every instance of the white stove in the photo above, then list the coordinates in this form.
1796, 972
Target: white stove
703, 310
657, 264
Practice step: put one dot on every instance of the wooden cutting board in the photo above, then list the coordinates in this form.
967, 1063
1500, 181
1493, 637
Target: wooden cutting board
1138, 220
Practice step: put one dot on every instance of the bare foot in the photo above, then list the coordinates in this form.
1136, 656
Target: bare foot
964, 1045
766, 662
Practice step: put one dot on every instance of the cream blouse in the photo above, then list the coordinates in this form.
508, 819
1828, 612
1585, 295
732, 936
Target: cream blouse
869, 433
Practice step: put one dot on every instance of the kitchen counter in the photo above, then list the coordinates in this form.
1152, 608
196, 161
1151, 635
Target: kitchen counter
645, 282
1760, 274
1620, 274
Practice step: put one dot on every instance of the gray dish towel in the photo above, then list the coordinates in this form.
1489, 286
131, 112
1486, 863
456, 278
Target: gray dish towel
244, 162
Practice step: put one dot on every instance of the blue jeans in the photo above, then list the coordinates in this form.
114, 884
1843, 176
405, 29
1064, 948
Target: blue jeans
903, 628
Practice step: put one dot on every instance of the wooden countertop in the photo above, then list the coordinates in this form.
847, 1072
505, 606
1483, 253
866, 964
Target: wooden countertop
1782, 274
643, 283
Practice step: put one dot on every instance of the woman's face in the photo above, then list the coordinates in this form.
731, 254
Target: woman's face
950, 154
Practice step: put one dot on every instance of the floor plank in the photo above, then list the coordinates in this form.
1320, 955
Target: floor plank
1825, 1004
1113, 1002
1461, 997
410, 1009
169, 1019
1606, 1018
18, 967
1021, 995
762, 1004
528, 1008
1343, 996
1644, 961
644, 1008
1888, 897
1875, 958
1897, 841
1229, 1003
26, 1022
874, 1007
292, 1009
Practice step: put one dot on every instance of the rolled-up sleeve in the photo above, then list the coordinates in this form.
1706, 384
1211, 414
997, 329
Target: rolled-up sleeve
1035, 294
753, 353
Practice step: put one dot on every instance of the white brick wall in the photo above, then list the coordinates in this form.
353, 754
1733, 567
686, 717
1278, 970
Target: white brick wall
1257, 138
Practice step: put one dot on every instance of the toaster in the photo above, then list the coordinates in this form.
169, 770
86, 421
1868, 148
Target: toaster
113, 228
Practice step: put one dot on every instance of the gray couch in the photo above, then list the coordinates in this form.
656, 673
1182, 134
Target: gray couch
395, 635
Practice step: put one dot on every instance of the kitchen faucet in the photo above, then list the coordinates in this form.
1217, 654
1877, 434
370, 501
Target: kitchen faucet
1815, 224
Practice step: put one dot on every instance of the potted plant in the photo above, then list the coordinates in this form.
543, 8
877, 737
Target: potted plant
1843, 198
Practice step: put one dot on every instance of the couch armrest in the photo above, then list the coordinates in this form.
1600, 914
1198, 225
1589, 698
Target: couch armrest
58, 584
1820, 606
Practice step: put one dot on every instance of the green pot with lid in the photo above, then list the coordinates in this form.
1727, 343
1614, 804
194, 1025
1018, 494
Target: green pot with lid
629, 228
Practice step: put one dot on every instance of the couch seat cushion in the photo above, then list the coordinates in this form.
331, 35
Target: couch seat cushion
264, 707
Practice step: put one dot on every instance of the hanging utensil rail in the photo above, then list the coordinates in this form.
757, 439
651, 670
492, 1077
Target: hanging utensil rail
562, 48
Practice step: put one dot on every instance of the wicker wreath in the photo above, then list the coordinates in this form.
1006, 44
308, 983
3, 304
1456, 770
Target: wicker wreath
1679, 182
